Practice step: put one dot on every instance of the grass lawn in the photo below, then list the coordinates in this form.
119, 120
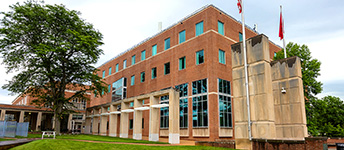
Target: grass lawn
50, 144
3, 139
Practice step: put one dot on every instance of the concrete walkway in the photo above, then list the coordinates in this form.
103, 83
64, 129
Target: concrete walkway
14, 143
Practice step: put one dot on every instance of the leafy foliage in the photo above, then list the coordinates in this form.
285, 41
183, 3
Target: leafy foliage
310, 68
326, 117
53, 50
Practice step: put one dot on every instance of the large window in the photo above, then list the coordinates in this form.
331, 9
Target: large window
143, 55
119, 89
222, 58
240, 36
154, 50
182, 63
124, 64
199, 28
131, 124
142, 77
132, 81
116, 68
167, 43
153, 73
110, 69
133, 59
182, 36
164, 112
167, 68
183, 103
199, 103
103, 74
220, 27
199, 57
225, 105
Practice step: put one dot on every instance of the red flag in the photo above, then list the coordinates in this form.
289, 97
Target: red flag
239, 6
281, 27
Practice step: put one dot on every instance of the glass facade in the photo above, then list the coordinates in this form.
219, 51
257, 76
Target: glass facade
167, 68
119, 89
182, 36
225, 105
154, 50
182, 63
153, 73
199, 28
200, 57
222, 58
143, 55
199, 103
164, 112
220, 28
183, 97
167, 43
133, 59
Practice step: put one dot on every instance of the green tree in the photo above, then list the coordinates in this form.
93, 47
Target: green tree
326, 117
52, 49
310, 68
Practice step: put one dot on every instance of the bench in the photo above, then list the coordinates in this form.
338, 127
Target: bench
48, 133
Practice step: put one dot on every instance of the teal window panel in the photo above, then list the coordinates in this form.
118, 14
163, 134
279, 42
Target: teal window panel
109, 88
110, 70
104, 74
220, 27
222, 56
116, 69
153, 73
182, 63
143, 77
154, 50
124, 64
199, 28
240, 36
200, 57
132, 82
133, 59
182, 36
143, 55
167, 43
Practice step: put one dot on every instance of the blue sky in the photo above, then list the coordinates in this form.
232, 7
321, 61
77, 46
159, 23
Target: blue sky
316, 23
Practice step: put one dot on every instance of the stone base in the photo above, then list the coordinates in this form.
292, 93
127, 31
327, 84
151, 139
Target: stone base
113, 134
243, 144
137, 136
95, 133
102, 134
174, 138
123, 135
154, 137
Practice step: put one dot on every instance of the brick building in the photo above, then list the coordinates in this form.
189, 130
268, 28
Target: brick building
192, 56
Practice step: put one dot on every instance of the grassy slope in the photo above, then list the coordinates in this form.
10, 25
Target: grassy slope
49, 144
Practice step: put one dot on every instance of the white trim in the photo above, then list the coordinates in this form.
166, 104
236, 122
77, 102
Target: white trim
127, 110
142, 108
159, 105
115, 112
105, 114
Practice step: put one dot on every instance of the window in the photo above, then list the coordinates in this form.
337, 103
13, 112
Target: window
225, 107
182, 63
116, 68
133, 60
131, 104
167, 68
222, 55
143, 123
154, 50
182, 36
95, 93
199, 103
167, 43
132, 82
183, 103
143, 55
220, 28
199, 57
102, 91
142, 77
109, 88
110, 69
164, 118
131, 124
153, 73
199, 28
275, 54
103, 74
124, 64
240, 36
119, 89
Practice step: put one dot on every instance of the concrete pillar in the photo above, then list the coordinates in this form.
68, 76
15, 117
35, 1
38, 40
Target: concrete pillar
21, 117
174, 134
53, 126
137, 132
103, 122
70, 125
124, 127
39, 120
95, 122
88, 125
3, 114
154, 119
113, 122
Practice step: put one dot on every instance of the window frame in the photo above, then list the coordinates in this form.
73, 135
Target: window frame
143, 55
198, 28
124, 64
182, 36
226, 96
167, 43
133, 60
166, 72
110, 70
198, 57
223, 56
182, 59
117, 67
220, 25
132, 80
154, 73
154, 49
144, 77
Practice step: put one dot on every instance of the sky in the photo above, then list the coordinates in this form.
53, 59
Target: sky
124, 23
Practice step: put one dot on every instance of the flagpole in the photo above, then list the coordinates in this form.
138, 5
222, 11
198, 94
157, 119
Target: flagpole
246, 74
285, 51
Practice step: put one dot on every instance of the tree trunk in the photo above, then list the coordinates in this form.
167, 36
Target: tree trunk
57, 117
